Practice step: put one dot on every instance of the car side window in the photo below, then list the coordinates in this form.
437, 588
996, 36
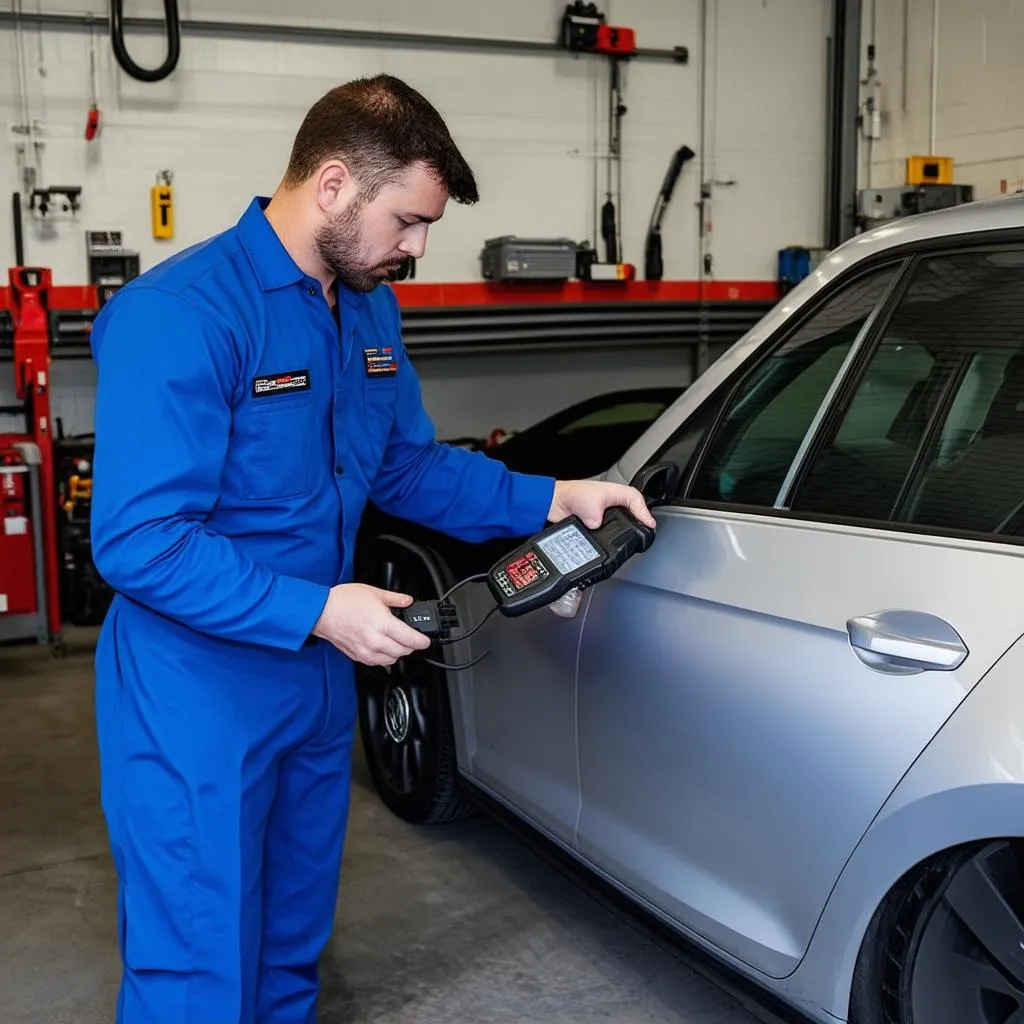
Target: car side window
769, 414
934, 432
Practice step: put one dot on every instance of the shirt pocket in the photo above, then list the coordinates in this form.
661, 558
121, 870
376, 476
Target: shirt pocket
281, 462
379, 398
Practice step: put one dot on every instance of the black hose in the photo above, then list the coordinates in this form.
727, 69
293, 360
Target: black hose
121, 52
19, 237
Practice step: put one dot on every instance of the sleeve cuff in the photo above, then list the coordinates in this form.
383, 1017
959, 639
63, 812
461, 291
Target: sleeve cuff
296, 606
530, 502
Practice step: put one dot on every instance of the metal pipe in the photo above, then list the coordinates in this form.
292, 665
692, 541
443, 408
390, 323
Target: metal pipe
933, 116
906, 51
19, 237
324, 33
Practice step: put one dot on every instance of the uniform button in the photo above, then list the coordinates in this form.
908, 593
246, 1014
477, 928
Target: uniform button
339, 469
312, 291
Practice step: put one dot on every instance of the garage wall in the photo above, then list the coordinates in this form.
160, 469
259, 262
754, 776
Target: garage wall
530, 125
977, 85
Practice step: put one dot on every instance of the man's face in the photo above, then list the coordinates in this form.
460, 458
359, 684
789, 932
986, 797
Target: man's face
366, 243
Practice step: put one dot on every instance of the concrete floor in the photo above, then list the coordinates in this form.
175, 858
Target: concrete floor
461, 924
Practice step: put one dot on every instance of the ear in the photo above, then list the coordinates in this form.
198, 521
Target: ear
335, 186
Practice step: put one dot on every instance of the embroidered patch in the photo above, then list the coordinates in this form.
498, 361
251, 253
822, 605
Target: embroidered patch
276, 383
380, 362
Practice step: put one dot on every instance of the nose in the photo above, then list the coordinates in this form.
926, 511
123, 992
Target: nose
415, 242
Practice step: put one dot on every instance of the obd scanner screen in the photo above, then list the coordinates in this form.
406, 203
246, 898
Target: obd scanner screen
565, 557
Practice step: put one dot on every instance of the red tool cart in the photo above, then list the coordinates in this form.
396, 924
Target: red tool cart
22, 551
29, 568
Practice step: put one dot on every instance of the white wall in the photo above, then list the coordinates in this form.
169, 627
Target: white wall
978, 85
223, 123
529, 125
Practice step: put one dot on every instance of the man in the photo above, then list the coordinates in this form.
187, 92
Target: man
253, 395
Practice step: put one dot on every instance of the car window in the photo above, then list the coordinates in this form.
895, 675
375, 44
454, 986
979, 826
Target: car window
616, 415
762, 430
934, 432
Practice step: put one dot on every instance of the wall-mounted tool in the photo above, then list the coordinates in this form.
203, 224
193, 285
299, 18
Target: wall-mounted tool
121, 51
161, 201
65, 198
584, 31
92, 118
654, 268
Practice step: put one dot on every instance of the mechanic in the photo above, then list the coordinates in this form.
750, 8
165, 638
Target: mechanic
253, 394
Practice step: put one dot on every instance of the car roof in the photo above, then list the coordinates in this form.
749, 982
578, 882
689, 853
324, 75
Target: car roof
998, 212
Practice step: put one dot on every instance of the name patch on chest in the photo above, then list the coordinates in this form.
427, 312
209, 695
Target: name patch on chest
380, 362
278, 383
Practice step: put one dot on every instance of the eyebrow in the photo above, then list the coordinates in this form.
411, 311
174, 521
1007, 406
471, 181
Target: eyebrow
421, 217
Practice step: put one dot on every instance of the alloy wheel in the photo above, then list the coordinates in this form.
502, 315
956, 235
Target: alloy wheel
968, 964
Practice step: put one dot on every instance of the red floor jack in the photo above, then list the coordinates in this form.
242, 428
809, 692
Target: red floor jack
29, 581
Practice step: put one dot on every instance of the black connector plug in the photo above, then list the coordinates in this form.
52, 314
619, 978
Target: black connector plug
431, 618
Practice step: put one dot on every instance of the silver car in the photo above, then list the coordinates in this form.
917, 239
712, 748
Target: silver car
793, 729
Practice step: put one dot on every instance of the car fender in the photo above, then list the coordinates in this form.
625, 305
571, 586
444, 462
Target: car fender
963, 788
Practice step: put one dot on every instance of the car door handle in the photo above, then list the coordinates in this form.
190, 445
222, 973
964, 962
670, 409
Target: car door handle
904, 642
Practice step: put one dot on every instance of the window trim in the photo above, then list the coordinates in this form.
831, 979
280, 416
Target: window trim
906, 259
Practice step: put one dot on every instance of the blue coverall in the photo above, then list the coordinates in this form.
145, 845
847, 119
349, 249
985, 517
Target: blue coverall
239, 434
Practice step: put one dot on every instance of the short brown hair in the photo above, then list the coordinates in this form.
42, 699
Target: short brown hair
379, 126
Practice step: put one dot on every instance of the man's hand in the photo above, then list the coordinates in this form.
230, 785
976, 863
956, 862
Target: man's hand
358, 620
590, 499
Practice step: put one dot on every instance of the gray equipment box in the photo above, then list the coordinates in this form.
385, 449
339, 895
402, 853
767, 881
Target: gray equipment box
878, 206
510, 258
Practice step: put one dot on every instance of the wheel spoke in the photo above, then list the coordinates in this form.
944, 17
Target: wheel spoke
980, 975
975, 898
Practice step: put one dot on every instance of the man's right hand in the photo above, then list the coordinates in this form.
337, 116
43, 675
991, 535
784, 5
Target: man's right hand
358, 620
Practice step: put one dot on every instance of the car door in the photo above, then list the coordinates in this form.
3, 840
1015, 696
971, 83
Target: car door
522, 701
522, 705
839, 566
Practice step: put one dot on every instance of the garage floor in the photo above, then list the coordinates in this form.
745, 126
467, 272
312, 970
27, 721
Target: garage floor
462, 924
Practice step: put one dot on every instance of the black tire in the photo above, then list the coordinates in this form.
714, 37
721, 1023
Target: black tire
405, 718
947, 944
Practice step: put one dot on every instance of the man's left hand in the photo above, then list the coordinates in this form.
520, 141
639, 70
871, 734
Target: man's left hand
590, 499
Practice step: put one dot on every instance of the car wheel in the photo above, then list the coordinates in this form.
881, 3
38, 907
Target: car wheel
947, 944
404, 714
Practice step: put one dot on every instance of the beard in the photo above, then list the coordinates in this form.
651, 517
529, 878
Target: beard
341, 248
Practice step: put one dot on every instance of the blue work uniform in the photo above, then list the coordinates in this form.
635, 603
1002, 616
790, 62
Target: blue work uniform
240, 430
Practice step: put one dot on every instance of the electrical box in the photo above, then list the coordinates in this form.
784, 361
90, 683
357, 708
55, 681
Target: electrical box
110, 265
510, 258
161, 199
880, 205
929, 170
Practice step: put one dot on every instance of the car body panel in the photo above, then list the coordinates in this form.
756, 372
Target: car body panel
964, 787
524, 715
733, 747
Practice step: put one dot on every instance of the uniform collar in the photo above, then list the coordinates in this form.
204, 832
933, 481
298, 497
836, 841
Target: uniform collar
270, 259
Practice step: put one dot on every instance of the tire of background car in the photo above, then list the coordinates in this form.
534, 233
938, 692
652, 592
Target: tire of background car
405, 720
929, 955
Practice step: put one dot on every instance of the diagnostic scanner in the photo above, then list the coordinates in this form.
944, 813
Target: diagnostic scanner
566, 556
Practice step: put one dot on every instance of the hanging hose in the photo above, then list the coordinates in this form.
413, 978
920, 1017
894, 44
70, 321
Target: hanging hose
121, 52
